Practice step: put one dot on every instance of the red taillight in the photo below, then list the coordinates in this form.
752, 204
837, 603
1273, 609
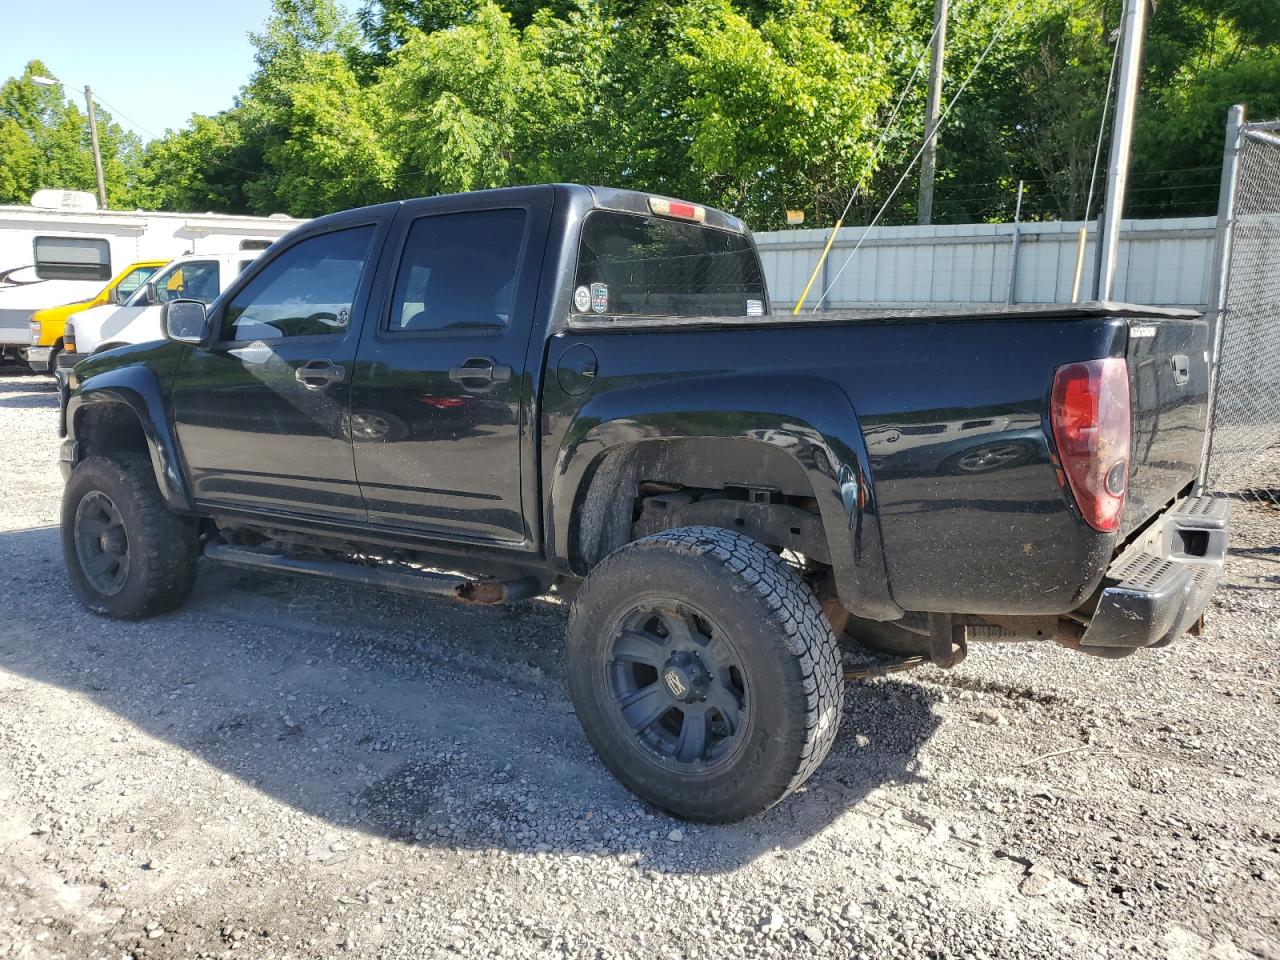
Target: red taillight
1089, 412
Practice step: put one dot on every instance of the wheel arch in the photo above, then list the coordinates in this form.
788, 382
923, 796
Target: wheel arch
797, 436
124, 410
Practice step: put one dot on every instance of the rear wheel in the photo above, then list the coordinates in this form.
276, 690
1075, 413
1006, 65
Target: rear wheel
126, 553
704, 673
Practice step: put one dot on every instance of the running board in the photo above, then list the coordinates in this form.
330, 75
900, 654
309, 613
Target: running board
417, 582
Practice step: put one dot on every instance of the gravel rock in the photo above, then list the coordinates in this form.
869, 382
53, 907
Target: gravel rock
772, 922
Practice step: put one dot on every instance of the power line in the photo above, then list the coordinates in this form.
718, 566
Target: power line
117, 112
871, 162
903, 179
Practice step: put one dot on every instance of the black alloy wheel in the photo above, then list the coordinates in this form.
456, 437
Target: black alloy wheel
102, 545
678, 684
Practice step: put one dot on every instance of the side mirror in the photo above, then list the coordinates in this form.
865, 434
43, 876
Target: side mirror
148, 296
184, 321
119, 295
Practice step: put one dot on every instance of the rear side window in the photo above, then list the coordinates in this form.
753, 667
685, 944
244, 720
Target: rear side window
633, 265
459, 272
306, 291
72, 258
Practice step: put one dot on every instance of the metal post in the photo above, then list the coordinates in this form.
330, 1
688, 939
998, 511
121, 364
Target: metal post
1081, 241
1133, 29
1219, 278
929, 160
97, 154
1013, 250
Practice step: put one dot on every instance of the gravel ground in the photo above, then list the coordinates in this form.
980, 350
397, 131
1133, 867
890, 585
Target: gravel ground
289, 769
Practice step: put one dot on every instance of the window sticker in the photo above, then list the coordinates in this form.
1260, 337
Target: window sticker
582, 299
599, 297
755, 308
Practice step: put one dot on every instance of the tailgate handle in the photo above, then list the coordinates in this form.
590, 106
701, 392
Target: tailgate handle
1181, 368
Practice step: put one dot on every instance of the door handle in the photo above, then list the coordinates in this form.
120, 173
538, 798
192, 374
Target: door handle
480, 370
318, 374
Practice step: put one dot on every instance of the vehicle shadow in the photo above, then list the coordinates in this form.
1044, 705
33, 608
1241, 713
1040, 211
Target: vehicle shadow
418, 721
20, 368
30, 401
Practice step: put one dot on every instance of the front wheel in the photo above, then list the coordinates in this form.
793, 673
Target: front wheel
704, 673
126, 553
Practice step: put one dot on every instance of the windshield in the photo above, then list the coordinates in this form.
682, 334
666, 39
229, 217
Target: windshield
633, 265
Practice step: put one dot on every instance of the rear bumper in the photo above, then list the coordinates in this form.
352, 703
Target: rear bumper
1159, 587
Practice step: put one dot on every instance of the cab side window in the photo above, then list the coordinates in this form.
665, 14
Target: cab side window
459, 272
308, 290
133, 280
197, 280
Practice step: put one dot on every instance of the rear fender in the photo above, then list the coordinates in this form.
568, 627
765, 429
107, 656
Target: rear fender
735, 431
137, 389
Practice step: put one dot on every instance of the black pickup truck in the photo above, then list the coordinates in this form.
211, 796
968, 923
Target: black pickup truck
488, 395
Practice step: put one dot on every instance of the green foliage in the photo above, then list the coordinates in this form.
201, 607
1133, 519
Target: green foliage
205, 166
784, 113
330, 154
757, 106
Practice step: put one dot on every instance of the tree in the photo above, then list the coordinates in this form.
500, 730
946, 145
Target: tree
331, 153
784, 114
205, 166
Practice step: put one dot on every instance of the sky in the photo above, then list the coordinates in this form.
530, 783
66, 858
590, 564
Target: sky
151, 64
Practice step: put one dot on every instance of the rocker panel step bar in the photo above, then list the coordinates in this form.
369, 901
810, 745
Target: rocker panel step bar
418, 582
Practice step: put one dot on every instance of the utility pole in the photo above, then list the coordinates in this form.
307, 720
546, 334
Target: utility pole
97, 154
1133, 29
929, 160
93, 134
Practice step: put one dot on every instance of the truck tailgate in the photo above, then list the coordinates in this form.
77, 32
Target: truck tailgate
1169, 388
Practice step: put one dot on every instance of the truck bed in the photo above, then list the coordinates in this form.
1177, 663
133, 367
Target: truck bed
952, 407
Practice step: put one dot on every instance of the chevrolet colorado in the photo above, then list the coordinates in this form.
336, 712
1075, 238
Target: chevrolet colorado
486, 395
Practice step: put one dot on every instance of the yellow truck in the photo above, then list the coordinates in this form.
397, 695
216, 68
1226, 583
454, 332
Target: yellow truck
47, 325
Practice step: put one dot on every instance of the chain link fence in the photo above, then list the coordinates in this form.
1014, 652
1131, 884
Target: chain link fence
1244, 446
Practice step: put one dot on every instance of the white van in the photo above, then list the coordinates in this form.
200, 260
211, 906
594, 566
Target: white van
137, 320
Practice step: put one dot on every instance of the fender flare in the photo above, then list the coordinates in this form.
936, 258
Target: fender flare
138, 389
809, 421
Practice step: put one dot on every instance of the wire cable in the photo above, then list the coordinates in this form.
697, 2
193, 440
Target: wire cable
117, 112
995, 37
1102, 126
871, 162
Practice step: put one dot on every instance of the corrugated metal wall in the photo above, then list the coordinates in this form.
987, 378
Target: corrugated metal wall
1163, 262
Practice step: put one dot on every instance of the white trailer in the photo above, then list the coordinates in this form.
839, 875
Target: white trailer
61, 249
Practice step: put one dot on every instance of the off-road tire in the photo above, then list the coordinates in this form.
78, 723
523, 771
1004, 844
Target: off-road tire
162, 545
790, 657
